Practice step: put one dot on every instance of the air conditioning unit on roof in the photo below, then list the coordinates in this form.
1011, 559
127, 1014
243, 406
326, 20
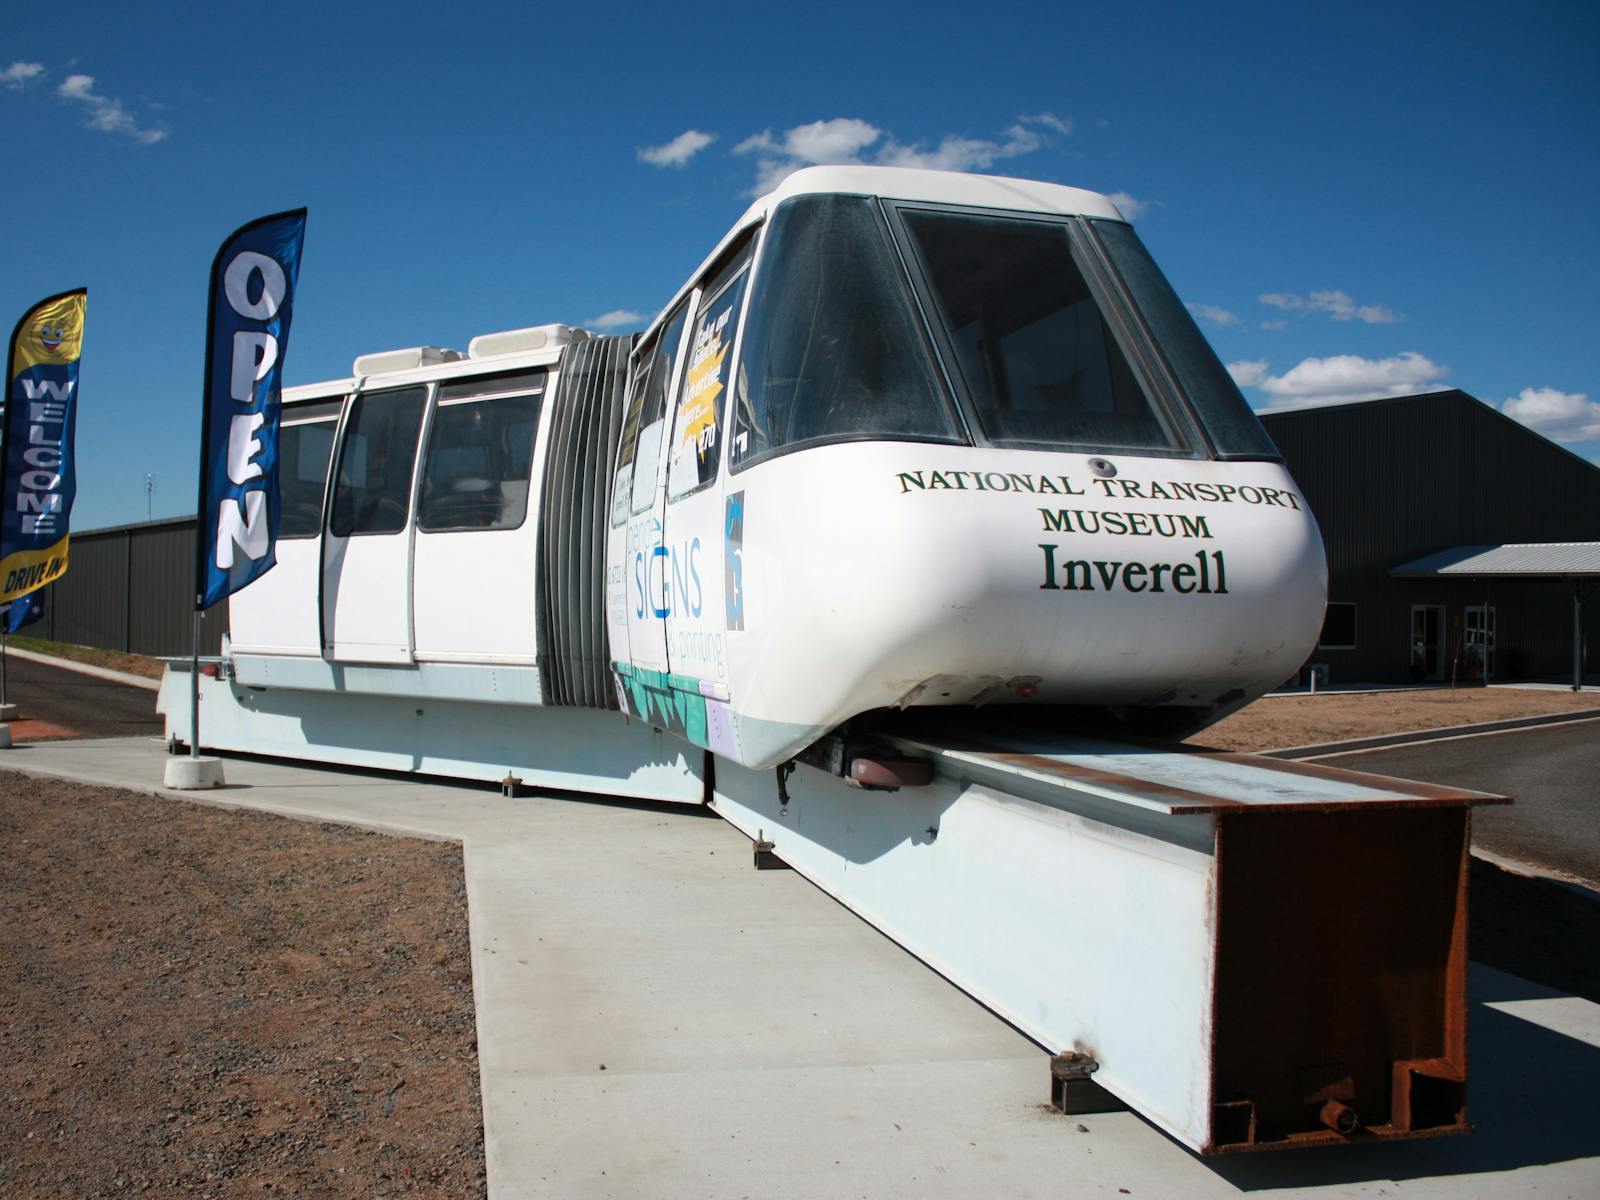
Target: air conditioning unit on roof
385, 361
515, 341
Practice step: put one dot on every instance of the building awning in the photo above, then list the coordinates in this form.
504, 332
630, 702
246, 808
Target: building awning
1578, 562
1524, 560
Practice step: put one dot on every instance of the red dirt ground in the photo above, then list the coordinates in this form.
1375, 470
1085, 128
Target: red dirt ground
212, 1003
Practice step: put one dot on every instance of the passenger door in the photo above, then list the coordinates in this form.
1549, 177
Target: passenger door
702, 557
477, 527
647, 555
366, 562
277, 613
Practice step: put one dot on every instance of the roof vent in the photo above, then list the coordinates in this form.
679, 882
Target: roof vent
386, 361
515, 341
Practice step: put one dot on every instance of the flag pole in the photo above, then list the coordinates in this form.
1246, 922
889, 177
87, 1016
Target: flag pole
202, 490
194, 683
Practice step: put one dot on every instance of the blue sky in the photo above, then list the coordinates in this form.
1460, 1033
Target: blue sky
1358, 199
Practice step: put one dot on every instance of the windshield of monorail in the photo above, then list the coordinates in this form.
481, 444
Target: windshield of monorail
1052, 333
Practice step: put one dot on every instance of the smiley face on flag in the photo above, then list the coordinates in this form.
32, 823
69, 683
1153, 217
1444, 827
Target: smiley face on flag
56, 340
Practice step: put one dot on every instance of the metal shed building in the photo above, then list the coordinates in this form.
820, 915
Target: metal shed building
1399, 480
130, 587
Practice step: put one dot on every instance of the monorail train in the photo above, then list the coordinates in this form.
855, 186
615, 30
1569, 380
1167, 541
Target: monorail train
907, 440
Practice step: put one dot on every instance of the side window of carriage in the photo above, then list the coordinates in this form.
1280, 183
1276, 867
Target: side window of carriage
480, 453
372, 494
622, 482
305, 447
644, 425
696, 444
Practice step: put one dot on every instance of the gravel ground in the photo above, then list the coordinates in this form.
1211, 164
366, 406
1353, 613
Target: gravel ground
1277, 722
210, 1003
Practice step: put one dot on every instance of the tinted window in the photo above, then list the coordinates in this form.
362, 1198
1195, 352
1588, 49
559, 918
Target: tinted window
697, 427
622, 484
1233, 427
831, 350
1338, 627
304, 449
493, 385
1040, 365
480, 456
373, 491
644, 427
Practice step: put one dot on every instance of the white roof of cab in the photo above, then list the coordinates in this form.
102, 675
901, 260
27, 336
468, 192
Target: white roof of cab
943, 187
908, 183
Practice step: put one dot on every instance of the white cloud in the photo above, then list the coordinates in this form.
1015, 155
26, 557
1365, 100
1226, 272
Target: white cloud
834, 142
1248, 372
679, 150
1338, 305
1342, 379
1280, 324
956, 153
617, 318
1061, 125
106, 112
1128, 206
840, 140
1212, 314
1559, 416
19, 74
847, 140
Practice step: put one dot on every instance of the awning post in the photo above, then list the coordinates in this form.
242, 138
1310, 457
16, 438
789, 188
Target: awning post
1577, 636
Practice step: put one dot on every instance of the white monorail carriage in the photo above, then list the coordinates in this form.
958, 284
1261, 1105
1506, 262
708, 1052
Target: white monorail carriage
907, 439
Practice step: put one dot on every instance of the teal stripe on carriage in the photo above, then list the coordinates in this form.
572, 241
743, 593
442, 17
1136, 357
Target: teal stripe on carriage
675, 703
667, 701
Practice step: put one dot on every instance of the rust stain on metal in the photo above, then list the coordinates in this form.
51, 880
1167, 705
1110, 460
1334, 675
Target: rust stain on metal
1378, 1065
1431, 792
1394, 793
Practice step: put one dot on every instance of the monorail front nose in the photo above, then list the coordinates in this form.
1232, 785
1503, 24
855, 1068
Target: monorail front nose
1170, 591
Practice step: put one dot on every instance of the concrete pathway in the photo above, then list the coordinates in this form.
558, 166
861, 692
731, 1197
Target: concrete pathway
657, 1019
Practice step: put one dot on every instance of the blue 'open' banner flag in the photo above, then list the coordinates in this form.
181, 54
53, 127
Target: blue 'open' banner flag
37, 479
252, 298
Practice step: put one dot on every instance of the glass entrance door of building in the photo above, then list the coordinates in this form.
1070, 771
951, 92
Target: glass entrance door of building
1478, 644
1427, 641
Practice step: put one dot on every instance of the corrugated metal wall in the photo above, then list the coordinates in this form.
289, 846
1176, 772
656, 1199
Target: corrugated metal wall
1393, 480
130, 588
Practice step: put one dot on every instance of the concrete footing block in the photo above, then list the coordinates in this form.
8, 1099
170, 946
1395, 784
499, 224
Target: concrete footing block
5, 737
189, 774
8, 712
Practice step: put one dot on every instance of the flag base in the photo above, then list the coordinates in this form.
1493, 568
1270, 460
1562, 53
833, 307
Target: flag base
8, 712
5, 735
189, 774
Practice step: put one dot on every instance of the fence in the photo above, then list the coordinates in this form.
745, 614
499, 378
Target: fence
130, 588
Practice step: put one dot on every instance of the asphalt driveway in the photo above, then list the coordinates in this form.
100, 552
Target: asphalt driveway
1552, 772
56, 702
